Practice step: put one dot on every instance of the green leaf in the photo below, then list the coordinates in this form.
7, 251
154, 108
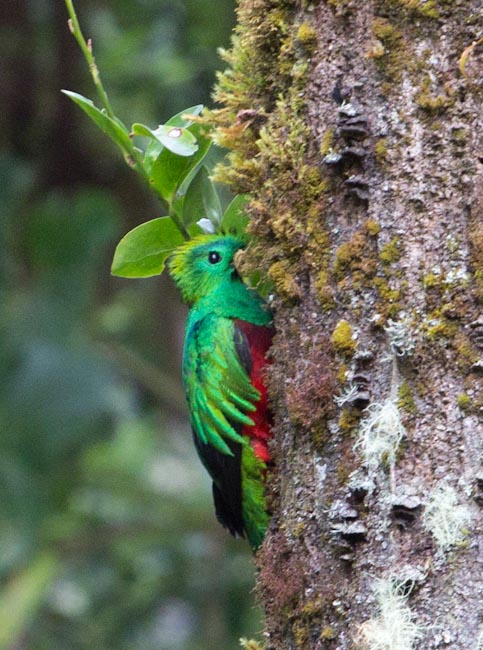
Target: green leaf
194, 230
143, 251
23, 595
235, 219
175, 138
201, 200
113, 127
169, 171
179, 120
155, 147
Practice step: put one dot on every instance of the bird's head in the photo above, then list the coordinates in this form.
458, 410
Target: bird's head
203, 264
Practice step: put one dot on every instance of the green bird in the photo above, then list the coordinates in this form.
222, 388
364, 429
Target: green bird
228, 334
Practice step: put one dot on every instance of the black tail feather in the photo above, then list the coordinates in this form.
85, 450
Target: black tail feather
227, 517
225, 471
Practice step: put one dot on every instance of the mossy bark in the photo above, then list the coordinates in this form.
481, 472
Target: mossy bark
356, 127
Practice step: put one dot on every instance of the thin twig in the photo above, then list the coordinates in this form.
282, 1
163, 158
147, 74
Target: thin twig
86, 47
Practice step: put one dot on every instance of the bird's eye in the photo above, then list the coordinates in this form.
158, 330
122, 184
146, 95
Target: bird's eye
214, 257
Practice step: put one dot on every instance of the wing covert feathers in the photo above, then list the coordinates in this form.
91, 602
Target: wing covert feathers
219, 391
222, 372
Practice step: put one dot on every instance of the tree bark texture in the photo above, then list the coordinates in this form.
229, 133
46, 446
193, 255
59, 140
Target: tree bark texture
357, 129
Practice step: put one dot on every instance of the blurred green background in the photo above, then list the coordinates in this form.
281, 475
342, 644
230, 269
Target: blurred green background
108, 539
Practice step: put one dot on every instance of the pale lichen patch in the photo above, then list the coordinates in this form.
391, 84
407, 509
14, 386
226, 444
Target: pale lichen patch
394, 628
400, 336
380, 433
445, 518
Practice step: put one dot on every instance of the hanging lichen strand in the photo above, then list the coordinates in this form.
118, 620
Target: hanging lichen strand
356, 129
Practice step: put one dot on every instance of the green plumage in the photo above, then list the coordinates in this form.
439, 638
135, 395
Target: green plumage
217, 383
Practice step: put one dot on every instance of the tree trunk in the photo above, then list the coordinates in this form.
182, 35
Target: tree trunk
356, 127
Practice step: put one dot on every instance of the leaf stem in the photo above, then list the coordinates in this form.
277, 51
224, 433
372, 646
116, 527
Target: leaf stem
180, 226
86, 47
177, 221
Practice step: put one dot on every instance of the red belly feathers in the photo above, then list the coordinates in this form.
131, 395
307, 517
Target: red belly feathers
259, 339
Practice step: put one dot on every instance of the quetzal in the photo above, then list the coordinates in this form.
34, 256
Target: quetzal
228, 333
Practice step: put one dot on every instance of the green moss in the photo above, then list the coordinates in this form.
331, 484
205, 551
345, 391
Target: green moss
327, 633
460, 136
372, 228
385, 461
327, 142
427, 8
340, 5
434, 103
466, 354
263, 122
343, 339
464, 401
392, 43
299, 529
386, 32
388, 49
431, 9
464, 543
342, 373
284, 281
343, 473
349, 419
357, 265
441, 329
319, 436
405, 401
390, 252
307, 37
252, 82
478, 278
354, 255
380, 150
390, 297
324, 290
313, 607
312, 185
344, 256
432, 280
476, 241
319, 241
300, 631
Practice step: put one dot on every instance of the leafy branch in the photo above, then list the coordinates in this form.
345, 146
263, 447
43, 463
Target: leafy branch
105, 119
171, 159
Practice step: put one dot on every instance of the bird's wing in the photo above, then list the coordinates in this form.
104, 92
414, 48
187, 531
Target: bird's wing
218, 387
